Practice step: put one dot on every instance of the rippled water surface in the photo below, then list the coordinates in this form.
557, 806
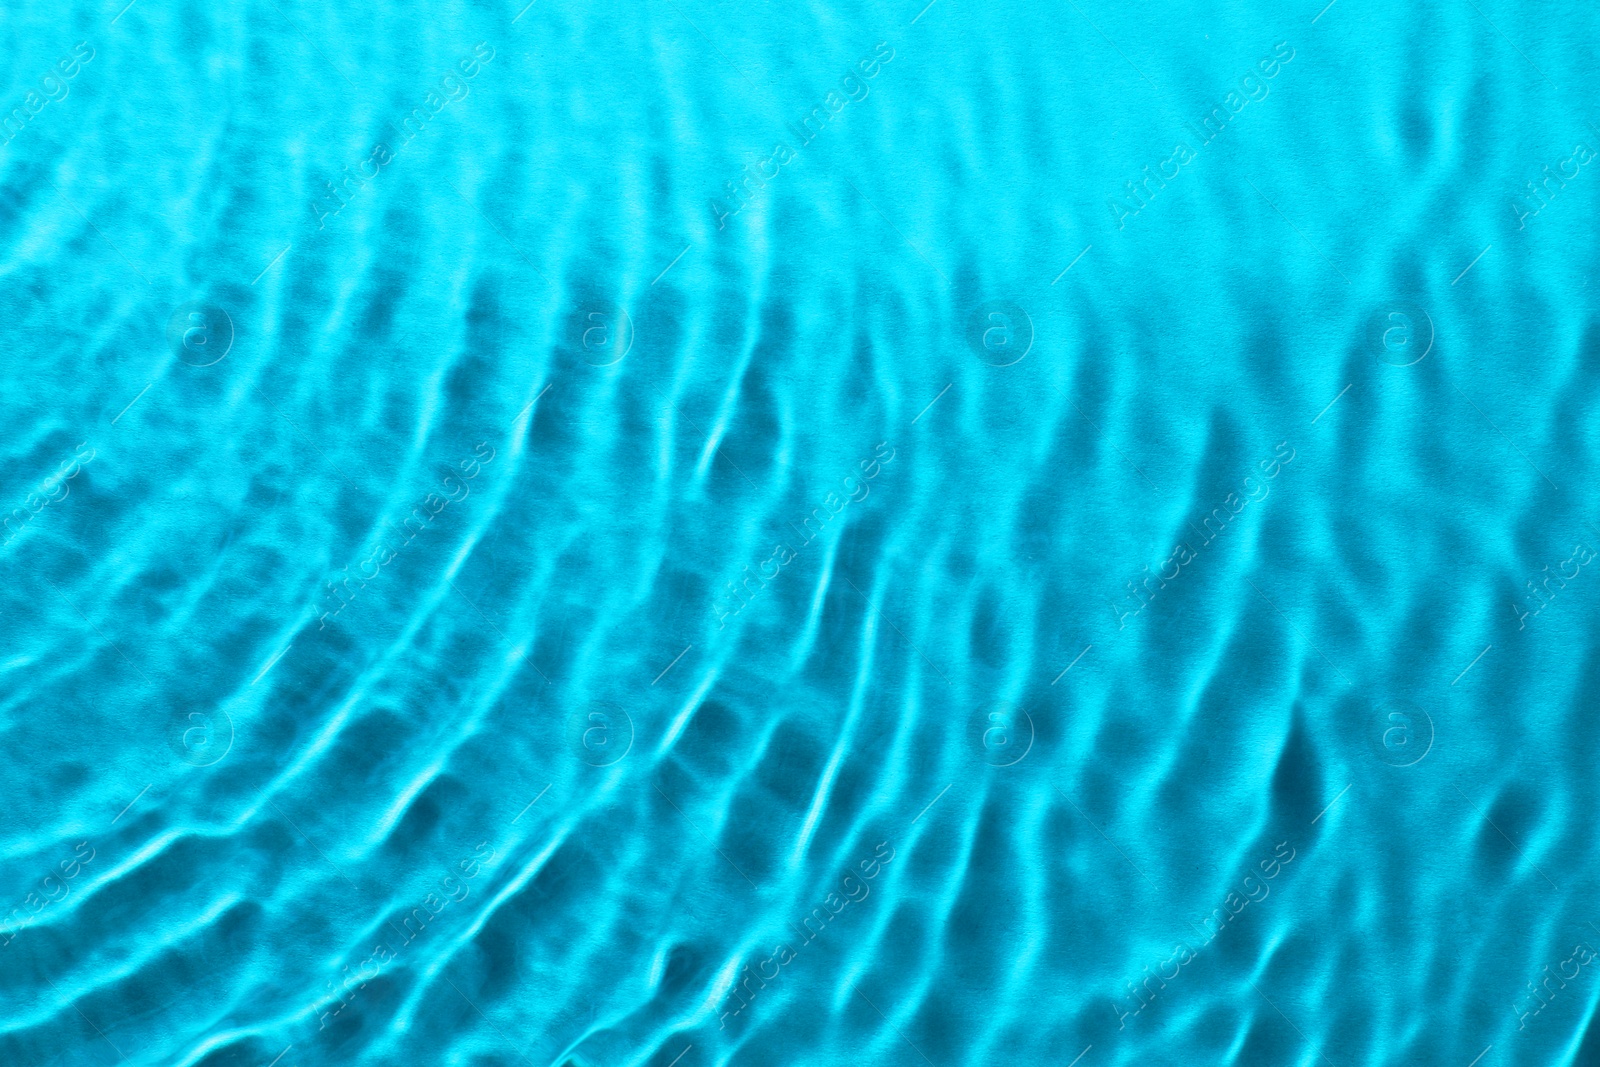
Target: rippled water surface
694, 533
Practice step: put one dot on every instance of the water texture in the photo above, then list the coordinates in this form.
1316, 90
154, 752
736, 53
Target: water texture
693, 533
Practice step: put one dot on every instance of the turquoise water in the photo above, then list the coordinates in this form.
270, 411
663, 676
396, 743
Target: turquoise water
696, 533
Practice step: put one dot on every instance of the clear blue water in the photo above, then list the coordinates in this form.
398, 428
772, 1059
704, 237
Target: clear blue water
701, 533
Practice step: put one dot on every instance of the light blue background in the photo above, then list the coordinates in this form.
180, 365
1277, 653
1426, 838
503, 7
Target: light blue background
539, 722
